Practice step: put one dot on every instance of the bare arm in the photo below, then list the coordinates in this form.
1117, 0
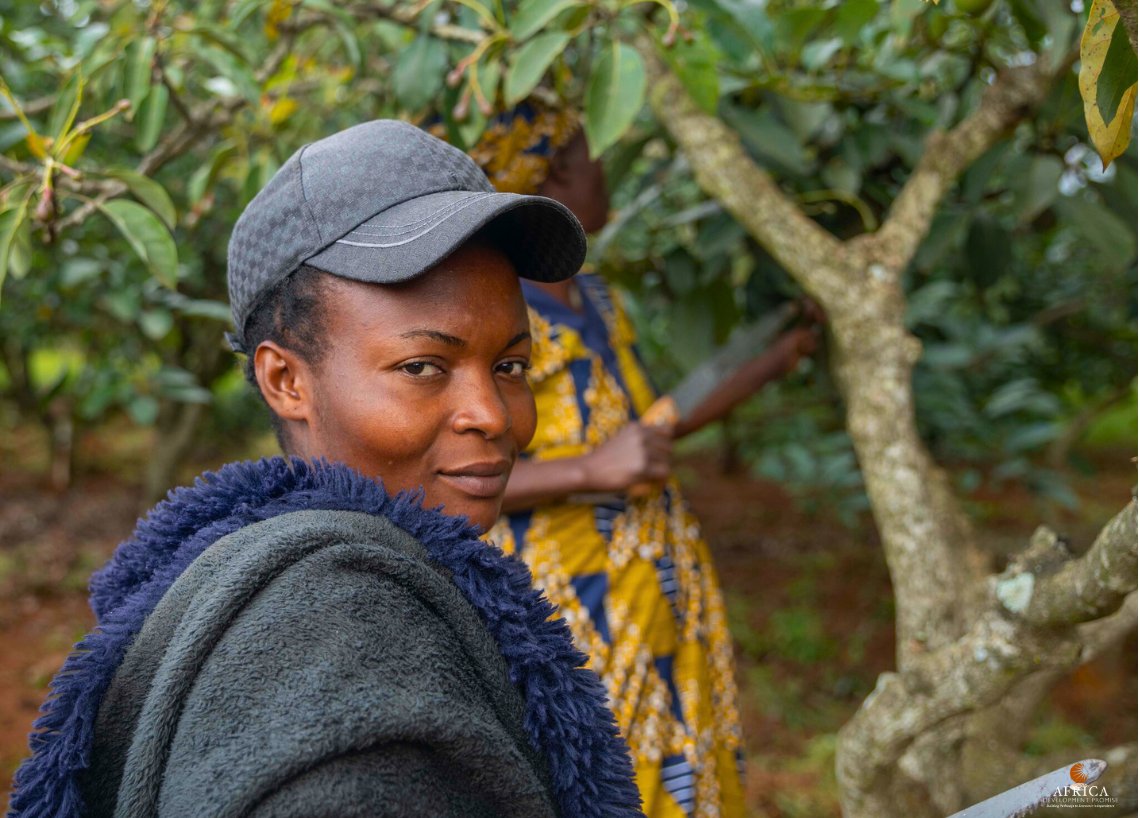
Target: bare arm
634, 455
777, 361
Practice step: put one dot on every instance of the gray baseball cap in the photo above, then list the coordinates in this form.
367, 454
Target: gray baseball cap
383, 202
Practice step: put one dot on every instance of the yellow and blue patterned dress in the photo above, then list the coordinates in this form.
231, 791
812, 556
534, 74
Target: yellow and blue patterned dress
633, 579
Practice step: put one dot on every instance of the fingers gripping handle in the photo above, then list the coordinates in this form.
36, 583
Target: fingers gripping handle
663, 412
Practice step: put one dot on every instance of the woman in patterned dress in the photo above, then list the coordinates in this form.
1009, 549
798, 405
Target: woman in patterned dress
631, 575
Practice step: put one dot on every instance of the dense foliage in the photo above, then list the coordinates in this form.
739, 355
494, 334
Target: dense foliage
114, 215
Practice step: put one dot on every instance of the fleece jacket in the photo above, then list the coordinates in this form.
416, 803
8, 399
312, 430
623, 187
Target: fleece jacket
286, 639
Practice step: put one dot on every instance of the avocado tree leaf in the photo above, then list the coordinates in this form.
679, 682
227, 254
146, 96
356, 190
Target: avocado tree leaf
614, 95
1117, 74
489, 75
533, 15
151, 117
13, 237
138, 73
147, 236
149, 192
419, 71
1110, 134
694, 62
1034, 191
530, 62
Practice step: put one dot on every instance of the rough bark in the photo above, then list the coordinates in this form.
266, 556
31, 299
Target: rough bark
875, 356
961, 648
992, 747
1084, 589
1001, 650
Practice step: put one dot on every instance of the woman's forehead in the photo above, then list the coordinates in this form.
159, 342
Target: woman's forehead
477, 284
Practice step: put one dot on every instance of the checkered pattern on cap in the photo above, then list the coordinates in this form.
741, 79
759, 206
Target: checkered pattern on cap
331, 186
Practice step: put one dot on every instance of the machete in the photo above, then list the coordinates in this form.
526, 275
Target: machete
669, 409
1024, 798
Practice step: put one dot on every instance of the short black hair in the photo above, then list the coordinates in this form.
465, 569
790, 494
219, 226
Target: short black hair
291, 313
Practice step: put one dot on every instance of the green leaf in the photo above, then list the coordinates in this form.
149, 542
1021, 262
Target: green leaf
11, 224
151, 119
1036, 189
155, 324
1029, 16
20, 255
149, 192
772, 142
221, 38
203, 179
138, 73
851, 18
794, 26
471, 128
241, 10
419, 71
76, 271
532, 15
1109, 136
236, 70
143, 410
818, 53
351, 44
614, 95
343, 23
203, 308
66, 107
989, 251
694, 63
1113, 239
530, 62
147, 236
740, 21
1117, 75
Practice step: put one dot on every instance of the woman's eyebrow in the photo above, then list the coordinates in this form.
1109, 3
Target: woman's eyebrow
435, 335
522, 336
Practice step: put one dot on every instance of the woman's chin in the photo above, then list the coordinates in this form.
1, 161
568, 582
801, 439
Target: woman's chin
482, 514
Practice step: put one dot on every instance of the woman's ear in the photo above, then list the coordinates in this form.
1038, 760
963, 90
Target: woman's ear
285, 380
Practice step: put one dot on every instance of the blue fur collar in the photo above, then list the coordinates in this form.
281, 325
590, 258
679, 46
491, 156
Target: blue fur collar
566, 718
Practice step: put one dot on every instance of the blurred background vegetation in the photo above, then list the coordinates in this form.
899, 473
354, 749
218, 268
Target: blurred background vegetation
114, 219
1023, 293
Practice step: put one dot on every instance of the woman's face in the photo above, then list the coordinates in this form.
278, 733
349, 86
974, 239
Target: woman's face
579, 182
424, 384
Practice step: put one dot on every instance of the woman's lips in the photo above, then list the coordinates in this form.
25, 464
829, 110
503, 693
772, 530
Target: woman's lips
483, 480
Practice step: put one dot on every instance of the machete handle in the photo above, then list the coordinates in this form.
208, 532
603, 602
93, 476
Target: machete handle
663, 412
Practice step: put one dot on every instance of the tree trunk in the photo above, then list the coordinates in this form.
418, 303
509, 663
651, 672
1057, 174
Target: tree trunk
965, 642
172, 444
178, 424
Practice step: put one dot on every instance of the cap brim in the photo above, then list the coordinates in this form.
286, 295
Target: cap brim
540, 236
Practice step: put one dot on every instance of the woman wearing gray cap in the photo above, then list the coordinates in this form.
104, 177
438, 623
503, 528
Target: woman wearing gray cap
290, 637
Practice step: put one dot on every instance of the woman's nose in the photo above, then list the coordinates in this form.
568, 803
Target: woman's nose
482, 408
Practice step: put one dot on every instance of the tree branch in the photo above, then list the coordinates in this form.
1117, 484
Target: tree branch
1080, 590
999, 652
947, 156
726, 172
409, 16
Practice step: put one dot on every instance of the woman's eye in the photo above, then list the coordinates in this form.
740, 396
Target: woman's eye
515, 369
421, 368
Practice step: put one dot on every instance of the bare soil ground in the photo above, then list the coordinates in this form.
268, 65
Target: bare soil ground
809, 601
